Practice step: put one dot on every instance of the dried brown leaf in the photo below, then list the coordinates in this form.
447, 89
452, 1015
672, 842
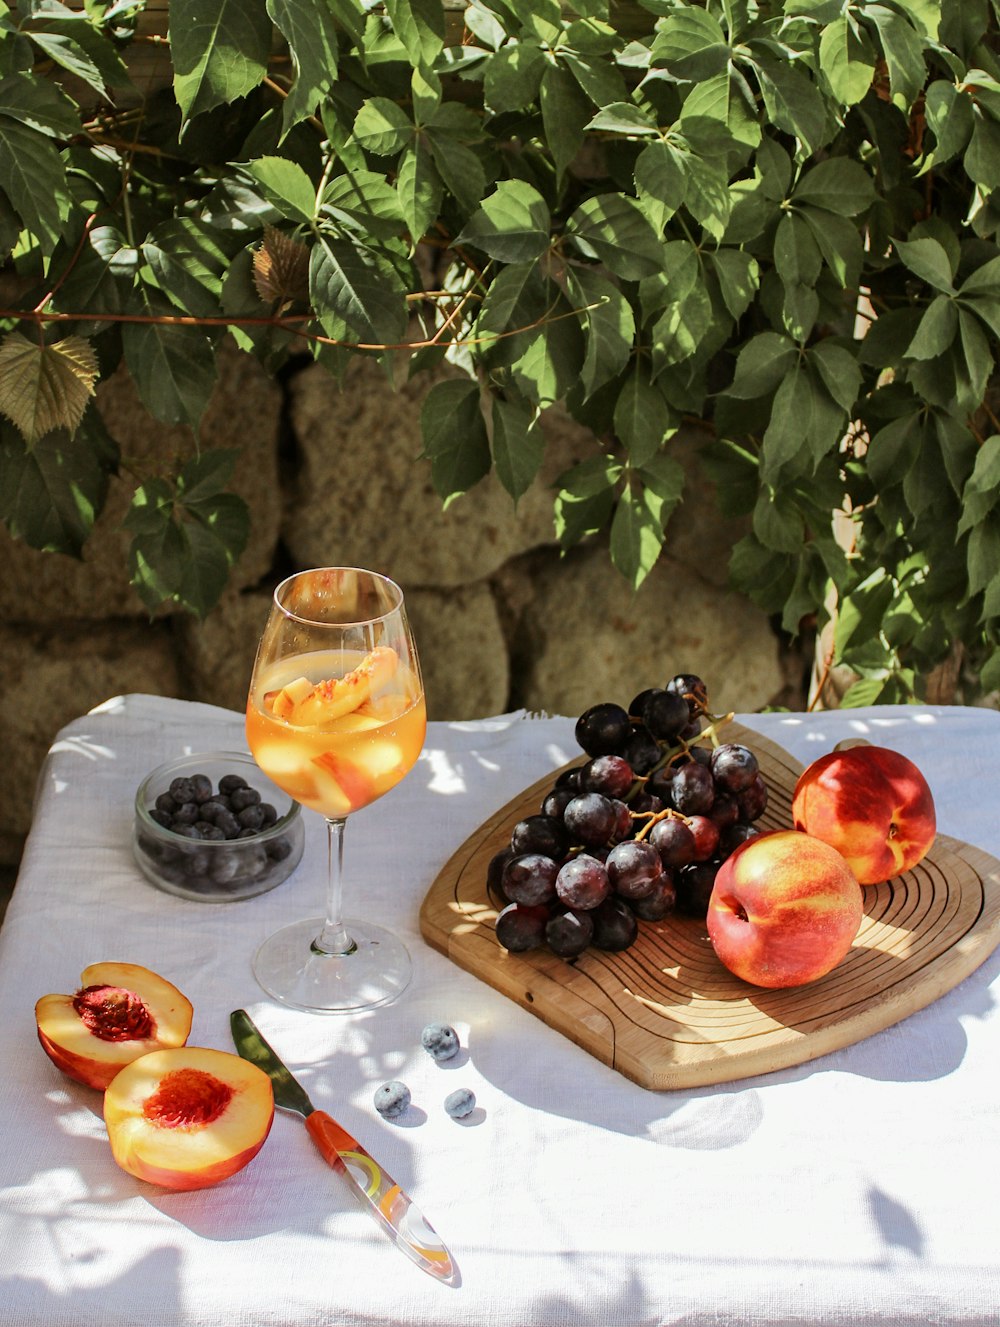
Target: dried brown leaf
281, 268
46, 387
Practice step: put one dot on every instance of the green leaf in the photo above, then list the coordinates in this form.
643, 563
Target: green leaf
762, 364
727, 99
454, 434
982, 156
866, 691
38, 104
838, 185
624, 117
682, 326
513, 76
565, 111
613, 229
73, 44
642, 418
840, 243
610, 326
707, 195
309, 29
420, 190
188, 265
51, 494
364, 201
585, 498
551, 360
861, 613
286, 185
518, 445
839, 371
904, 53
419, 25
928, 260
793, 102
797, 258
691, 44
356, 293
976, 358
515, 298
983, 555
382, 127
660, 174
777, 522
460, 169
34, 178
173, 369
938, 328
738, 277
219, 50
950, 119
981, 494
847, 59
512, 224
805, 425
636, 535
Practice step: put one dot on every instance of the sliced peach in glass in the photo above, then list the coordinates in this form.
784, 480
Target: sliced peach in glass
189, 1117
282, 703
120, 1012
350, 780
379, 757
334, 697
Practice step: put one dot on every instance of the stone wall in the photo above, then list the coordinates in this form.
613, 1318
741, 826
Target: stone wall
502, 618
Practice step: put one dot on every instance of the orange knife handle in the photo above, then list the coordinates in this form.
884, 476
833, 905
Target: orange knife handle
329, 1137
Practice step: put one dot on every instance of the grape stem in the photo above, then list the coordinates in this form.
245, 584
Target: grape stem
668, 813
716, 722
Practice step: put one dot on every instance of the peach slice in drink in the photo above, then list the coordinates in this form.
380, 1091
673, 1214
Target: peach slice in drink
332, 698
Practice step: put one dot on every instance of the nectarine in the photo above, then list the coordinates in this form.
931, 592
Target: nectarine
120, 1012
784, 909
870, 803
189, 1117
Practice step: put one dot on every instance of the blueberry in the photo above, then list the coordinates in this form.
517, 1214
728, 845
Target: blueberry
211, 808
392, 1099
243, 797
166, 804
230, 782
163, 818
187, 814
270, 814
251, 817
278, 849
202, 786
196, 863
440, 1041
187, 831
247, 834
460, 1103
225, 868
181, 790
227, 822
211, 832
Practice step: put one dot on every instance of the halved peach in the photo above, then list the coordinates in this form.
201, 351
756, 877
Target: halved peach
189, 1117
120, 1012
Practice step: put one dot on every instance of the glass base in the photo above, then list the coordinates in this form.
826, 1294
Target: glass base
375, 972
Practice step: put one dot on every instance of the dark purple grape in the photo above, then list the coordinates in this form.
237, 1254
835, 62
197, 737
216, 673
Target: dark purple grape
615, 926
633, 869
701, 754
530, 878
694, 887
733, 835
637, 703
603, 730
644, 802
691, 732
642, 751
725, 809
673, 841
570, 778
661, 784
693, 689
589, 818
610, 775
665, 714
520, 928
494, 871
556, 801
569, 933
583, 882
692, 790
733, 766
542, 834
752, 801
624, 824
659, 903
706, 837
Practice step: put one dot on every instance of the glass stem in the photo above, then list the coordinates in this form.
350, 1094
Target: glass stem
333, 939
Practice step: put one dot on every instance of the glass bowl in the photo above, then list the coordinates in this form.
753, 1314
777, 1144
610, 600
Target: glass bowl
183, 848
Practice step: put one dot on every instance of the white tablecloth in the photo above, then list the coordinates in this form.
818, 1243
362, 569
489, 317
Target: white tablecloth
861, 1188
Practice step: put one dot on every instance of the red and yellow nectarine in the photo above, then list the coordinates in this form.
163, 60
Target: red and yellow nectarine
189, 1117
120, 1012
870, 803
784, 909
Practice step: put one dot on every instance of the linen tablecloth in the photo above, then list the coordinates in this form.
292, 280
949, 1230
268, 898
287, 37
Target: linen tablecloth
860, 1188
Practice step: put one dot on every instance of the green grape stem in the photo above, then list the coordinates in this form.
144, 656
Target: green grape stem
672, 753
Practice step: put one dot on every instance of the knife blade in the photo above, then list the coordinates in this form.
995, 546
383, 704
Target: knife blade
372, 1186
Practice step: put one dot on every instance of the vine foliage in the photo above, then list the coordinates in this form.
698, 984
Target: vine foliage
780, 219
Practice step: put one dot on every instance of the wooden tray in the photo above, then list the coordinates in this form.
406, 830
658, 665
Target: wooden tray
667, 1014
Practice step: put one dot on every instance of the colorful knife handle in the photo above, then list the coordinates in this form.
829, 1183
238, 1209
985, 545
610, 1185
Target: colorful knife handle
382, 1195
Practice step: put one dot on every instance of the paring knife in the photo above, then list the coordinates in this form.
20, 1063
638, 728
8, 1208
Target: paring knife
377, 1191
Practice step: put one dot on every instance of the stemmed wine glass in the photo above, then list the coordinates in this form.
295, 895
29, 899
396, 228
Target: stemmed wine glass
336, 717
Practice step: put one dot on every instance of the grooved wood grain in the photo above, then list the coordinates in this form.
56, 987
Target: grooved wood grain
666, 1013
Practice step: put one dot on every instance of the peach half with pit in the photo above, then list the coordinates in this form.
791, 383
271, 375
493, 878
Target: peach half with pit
121, 1011
188, 1117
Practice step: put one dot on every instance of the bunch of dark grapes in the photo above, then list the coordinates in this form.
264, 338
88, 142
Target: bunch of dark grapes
634, 834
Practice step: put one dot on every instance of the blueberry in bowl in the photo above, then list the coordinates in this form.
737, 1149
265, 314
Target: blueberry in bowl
212, 827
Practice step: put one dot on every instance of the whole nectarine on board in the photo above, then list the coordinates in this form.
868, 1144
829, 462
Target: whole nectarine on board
189, 1117
120, 1012
870, 803
784, 909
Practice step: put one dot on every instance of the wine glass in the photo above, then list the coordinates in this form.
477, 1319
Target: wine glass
336, 717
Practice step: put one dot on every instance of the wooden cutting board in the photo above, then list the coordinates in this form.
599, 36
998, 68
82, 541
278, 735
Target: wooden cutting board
667, 1014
